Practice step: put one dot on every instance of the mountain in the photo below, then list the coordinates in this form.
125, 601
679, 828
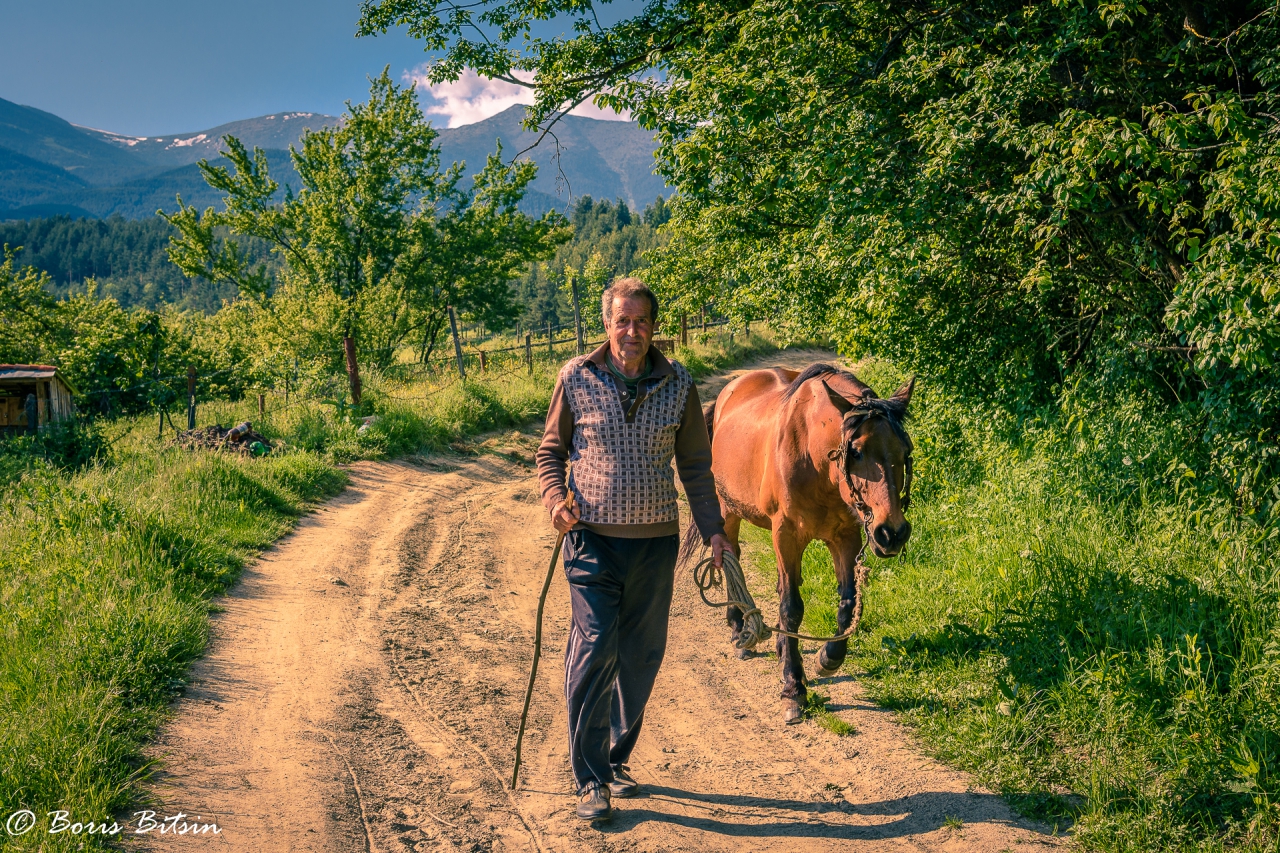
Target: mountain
50, 166
602, 159
277, 131
48, 139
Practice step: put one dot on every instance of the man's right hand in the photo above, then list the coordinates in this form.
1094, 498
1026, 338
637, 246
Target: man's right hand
564, 517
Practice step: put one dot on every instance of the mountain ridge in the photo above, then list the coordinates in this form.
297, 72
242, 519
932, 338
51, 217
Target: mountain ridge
49, 164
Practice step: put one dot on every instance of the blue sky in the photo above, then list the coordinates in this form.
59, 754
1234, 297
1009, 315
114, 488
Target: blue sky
152, 67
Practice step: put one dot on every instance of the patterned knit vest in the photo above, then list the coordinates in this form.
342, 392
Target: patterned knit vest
622, 471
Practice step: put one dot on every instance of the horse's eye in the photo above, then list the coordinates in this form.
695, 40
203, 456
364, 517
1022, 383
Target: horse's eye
855, 454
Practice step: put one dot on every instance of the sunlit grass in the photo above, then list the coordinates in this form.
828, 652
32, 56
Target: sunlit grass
1096, 654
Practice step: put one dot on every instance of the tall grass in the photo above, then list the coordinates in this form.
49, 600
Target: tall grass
1073, 628
107, 572
105, 579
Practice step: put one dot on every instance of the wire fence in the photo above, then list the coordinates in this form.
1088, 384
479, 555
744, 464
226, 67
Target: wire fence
315, 382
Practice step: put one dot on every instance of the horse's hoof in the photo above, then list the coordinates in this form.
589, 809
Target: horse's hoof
742, 654
825, 668
791, 712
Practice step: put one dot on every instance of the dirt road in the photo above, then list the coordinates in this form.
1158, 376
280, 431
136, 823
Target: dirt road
363, 687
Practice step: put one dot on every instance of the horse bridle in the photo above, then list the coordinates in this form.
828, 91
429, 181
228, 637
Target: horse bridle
859, 415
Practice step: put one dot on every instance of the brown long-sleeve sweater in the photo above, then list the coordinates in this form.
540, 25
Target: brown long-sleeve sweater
621, 449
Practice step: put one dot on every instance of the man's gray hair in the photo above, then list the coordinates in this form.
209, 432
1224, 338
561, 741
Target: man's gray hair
627, 288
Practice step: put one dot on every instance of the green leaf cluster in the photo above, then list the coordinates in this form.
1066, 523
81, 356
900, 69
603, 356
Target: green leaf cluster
377, 243
1002, 195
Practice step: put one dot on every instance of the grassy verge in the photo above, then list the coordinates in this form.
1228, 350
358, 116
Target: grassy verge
108, 572
1074, 630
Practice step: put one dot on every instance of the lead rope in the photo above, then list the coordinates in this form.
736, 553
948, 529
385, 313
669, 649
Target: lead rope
708, 576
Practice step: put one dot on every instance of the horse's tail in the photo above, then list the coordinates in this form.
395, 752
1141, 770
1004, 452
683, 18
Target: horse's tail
692, 543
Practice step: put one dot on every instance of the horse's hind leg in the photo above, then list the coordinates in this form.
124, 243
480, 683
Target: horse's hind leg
789, 550
849, 578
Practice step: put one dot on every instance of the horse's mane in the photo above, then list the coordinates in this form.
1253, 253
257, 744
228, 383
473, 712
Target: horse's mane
893, 409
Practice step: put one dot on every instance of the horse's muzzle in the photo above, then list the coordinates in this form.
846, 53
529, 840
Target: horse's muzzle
887, 541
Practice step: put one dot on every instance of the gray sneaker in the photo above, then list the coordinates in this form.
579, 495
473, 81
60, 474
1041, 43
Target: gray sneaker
623, 785
593, 802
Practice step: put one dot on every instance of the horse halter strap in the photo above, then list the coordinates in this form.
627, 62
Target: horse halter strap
853, 419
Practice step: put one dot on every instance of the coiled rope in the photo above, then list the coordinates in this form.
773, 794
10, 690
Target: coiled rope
708, 576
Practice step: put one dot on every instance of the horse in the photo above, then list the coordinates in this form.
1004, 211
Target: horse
807, 455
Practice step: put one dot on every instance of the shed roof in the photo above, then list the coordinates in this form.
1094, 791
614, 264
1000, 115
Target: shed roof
28, 372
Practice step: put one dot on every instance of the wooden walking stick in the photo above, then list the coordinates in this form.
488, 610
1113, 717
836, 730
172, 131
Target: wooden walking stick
537, 646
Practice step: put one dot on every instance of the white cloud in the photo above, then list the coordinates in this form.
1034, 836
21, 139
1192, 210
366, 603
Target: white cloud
472, 98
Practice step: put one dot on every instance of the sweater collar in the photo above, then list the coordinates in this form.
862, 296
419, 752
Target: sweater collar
659, 363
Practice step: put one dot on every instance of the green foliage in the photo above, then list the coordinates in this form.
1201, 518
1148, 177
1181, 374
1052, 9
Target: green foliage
118, 361
1074, 625
609, 240
376, 244
104, 586
121, 259
1002, 195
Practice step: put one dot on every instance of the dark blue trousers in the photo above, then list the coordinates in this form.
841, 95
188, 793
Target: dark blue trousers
620, 590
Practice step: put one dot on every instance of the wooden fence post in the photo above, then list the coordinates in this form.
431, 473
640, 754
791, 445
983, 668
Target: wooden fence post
704, 321
484, 361
528, 351
457, 345
262, 405
191, 397
577, 315
551, 348
353, 369
684, 330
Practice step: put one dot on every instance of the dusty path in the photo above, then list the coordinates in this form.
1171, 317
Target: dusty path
364, 683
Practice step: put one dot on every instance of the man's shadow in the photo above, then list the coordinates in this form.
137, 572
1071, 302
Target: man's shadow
912, 815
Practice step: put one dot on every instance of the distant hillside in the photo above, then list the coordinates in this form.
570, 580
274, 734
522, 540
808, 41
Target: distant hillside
277, 131
602, 159
49, 166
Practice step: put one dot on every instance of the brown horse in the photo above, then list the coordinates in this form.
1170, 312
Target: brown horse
812, 455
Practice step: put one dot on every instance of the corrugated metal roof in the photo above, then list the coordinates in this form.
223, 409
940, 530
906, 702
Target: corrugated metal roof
27, 371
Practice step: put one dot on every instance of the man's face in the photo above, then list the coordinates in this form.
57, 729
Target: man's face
630, 328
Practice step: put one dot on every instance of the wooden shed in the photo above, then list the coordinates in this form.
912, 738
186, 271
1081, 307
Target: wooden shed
51, 391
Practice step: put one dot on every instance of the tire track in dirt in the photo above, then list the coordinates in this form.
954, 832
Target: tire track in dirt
379, 712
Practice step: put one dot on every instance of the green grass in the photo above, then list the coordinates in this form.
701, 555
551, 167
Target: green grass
108, 572
816, 709
1081, 636
105, 582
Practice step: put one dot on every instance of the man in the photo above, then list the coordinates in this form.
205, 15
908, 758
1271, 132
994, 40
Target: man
620, 414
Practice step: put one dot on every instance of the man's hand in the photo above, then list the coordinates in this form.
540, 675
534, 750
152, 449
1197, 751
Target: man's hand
564, 517
719, 544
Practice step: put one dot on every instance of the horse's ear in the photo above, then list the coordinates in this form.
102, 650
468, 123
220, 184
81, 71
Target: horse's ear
904, 393
836, 400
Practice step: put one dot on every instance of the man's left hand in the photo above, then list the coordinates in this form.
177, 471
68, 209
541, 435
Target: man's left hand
719, 544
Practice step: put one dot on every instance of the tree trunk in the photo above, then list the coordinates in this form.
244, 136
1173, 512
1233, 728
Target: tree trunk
353, 369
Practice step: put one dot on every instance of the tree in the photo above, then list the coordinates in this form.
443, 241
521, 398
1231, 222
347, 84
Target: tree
378, 241
1004, 194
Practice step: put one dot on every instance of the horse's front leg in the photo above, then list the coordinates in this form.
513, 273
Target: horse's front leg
732, 530
849, 577
789, 549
